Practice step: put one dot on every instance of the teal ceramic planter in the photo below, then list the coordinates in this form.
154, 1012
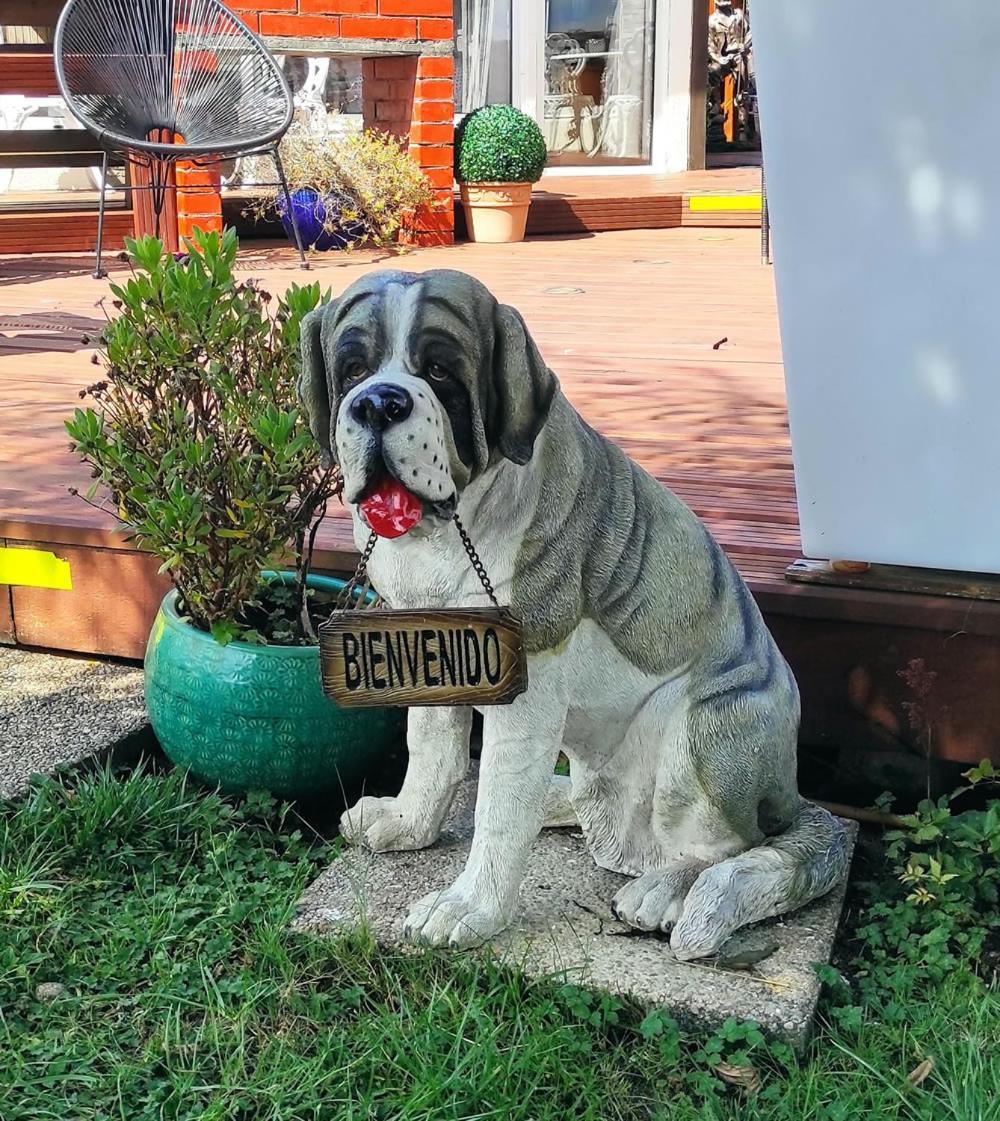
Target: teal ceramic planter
248, 717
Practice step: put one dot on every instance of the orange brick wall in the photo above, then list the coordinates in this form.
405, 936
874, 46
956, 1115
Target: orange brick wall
411, 96
199, 199
358, 19
414, 99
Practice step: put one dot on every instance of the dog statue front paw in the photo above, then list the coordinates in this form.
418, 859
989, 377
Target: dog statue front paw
453, 917
387, 825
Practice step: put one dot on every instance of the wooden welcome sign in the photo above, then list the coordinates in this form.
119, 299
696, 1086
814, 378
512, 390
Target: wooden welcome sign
416, 658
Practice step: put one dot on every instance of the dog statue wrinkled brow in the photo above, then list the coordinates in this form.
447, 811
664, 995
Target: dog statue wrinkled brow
649, 663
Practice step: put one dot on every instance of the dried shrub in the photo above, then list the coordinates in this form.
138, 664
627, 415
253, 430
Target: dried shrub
373, 183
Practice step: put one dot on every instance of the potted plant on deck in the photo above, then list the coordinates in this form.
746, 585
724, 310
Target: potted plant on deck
348, 189
500, 152
199, 446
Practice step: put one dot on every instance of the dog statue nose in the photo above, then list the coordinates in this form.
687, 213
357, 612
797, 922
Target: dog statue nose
381, 405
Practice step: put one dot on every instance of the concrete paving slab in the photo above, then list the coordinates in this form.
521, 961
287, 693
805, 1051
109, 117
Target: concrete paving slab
57, 710
565, 929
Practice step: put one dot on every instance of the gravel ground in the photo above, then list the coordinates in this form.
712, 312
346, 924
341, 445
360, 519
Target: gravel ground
56, 710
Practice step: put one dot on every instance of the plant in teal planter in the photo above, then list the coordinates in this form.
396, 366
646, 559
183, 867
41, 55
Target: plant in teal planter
245, 717
197, 445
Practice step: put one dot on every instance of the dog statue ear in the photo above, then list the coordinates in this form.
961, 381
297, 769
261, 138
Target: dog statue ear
312, 386
523, 387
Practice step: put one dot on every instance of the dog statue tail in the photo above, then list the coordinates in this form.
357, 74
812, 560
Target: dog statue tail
784, 873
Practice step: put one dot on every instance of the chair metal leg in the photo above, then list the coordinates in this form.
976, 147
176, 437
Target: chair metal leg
303, 263
158, 173
99, 273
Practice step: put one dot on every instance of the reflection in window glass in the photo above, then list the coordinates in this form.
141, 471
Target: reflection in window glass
323, 86
577, 15
44, 187
327, 95
598, 99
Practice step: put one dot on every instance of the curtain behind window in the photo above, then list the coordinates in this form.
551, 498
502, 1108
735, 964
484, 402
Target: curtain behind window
482, 60
628, 80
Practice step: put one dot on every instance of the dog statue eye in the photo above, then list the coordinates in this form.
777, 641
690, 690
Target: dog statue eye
437, 372
354, 372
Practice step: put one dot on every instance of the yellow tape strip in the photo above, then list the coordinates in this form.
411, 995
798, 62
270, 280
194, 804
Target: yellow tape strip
34, 568
724, 202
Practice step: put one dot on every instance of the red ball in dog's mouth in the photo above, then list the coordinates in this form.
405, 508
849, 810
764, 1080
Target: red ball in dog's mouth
390, 509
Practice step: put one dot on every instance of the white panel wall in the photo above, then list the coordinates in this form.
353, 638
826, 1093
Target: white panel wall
881, 128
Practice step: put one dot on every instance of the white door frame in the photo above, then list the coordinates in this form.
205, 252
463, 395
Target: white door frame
672, 61
527, 55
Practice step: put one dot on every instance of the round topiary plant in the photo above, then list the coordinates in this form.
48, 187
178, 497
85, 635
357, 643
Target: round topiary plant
499, 144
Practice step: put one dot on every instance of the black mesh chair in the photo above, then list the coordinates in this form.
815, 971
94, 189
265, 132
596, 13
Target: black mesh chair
169, 80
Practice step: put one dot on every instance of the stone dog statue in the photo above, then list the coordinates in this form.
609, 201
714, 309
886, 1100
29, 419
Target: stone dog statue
649, 664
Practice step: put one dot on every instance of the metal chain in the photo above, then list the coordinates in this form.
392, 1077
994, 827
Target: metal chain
477, 564
360, 582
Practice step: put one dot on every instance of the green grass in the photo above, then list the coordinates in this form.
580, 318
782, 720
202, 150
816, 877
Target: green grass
164, 912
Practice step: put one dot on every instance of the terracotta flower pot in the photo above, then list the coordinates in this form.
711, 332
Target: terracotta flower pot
496, 212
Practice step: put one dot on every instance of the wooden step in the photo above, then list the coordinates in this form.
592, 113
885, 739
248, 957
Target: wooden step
565, 213
62, 231
549, 215
730, 211
31, 73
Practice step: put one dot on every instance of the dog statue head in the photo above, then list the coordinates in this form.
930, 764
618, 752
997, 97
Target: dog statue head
424, 377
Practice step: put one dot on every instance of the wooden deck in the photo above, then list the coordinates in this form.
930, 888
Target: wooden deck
666, 340
66, 222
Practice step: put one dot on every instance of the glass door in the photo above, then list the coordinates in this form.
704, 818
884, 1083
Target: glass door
596, 103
